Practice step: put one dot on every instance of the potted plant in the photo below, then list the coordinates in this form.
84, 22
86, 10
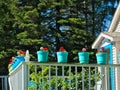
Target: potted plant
16, 60
62, 55
83, 56
42, 54
19, 58
101, 56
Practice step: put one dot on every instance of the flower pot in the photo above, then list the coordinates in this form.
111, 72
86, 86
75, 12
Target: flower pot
101, 58
62, 57
17, 61
21, 58
84, 57
42, 56
13, 64
119, 58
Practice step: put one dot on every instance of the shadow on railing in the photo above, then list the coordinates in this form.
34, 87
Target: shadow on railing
4, 83
62, 76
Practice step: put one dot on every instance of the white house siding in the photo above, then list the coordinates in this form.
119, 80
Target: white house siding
118, 70
116, 47
114, 54
118, 27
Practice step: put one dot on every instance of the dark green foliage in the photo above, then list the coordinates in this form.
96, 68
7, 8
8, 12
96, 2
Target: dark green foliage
26, 24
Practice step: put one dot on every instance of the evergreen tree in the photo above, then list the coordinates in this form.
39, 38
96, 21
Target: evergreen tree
7, 38
33, 24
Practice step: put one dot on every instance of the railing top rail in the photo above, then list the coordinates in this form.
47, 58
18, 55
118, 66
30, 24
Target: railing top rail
73, 64
63, 64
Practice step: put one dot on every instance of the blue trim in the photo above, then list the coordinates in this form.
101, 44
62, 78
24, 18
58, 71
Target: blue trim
109, 46
112, 79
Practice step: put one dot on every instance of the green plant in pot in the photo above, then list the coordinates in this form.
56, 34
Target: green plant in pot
42, 54
101, 56
83, 56
62, 55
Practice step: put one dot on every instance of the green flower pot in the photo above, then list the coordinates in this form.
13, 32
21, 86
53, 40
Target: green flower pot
84, 57
62, 57
42, 56
101, 58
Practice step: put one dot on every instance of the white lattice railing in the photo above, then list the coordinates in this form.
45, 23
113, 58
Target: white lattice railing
65, 76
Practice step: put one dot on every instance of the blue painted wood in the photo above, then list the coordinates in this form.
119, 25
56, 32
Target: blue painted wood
111, 71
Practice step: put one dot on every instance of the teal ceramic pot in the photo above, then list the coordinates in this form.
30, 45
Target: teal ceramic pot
17, 61
84, 57
101, 58
119, 58
42, 56
62, 57
13, 65
21, 58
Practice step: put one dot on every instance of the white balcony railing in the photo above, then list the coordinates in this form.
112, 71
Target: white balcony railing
65, 76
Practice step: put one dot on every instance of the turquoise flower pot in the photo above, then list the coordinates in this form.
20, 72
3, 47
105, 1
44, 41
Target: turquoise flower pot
84, 57
20, 58
119, 58
42, 56
13, 65
101, 58
17, 61
62, 57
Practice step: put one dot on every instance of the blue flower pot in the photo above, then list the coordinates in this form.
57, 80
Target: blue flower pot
62, 57
119, 58
17, 61
42, 56
21, 58
84, 57
101, 58
13, 65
